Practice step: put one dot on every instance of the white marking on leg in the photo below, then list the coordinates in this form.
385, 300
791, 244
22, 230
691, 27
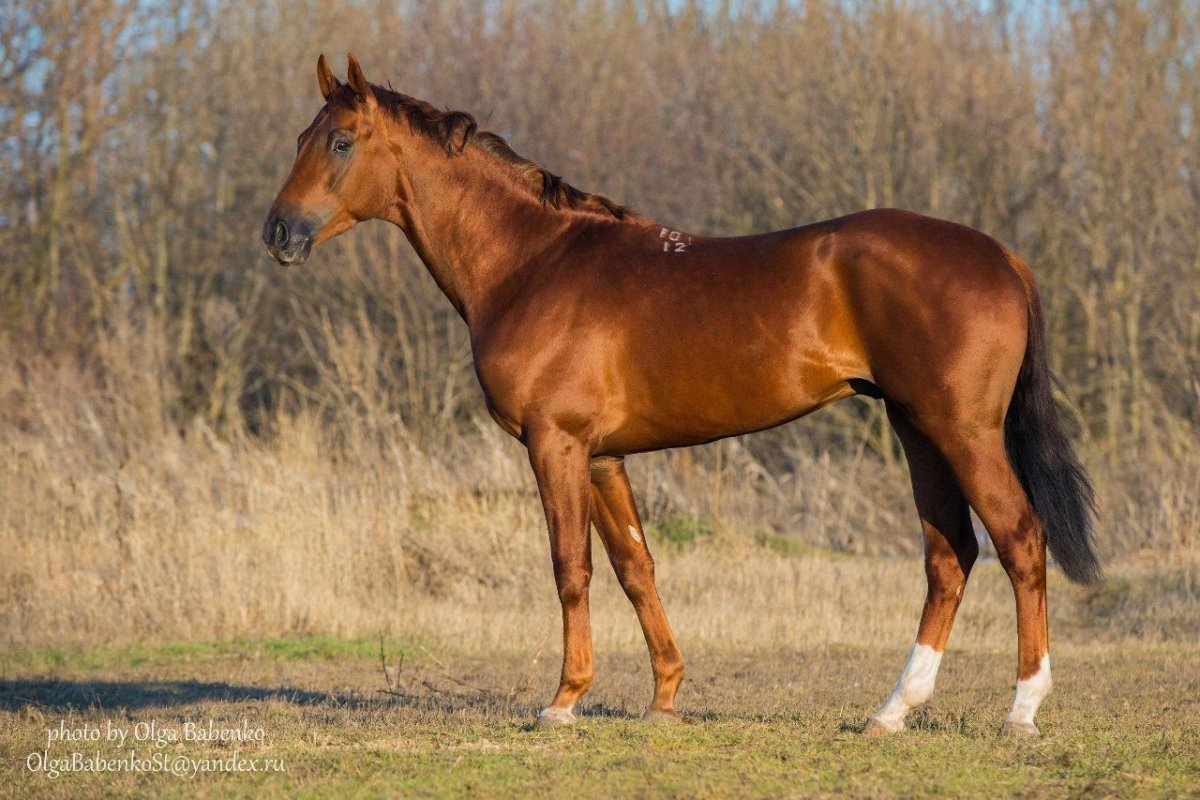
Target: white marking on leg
1030, 693
914, 687
637, 537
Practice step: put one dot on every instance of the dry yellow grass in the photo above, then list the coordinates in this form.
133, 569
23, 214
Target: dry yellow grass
108, 537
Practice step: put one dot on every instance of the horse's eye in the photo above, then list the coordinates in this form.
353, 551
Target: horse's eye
341, 147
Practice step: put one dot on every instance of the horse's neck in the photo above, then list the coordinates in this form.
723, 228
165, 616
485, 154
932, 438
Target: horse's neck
472, 225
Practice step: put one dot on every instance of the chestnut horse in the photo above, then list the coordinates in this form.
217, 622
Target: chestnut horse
598, 333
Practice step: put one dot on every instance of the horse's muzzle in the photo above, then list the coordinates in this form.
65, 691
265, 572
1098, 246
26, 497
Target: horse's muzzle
289, 241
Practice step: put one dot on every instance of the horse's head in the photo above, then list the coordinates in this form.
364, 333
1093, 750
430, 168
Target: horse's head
337, 179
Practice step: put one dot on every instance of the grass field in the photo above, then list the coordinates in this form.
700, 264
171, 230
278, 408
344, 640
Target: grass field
160, 581
1124, 720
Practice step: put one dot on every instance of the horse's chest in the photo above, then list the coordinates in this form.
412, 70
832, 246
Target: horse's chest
507, 374
540, 375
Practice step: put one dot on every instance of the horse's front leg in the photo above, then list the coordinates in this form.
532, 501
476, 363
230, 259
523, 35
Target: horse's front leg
616, 519
560, 464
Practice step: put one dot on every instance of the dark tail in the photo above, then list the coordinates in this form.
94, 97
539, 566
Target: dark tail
1043, 456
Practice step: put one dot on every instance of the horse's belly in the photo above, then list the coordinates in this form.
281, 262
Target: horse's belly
694, 409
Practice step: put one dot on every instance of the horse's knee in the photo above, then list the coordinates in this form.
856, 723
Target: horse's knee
637, 578
573, 585
947, 572
1021, 549
947, 589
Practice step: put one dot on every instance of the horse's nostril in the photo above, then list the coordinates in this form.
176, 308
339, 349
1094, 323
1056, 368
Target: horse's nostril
281, 233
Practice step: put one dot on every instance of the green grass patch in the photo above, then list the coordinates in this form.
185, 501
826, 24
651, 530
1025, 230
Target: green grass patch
283, 649
792, 547
680, 529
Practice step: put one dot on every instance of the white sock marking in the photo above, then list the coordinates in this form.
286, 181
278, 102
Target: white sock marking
1031, 692
914, 687
637, 537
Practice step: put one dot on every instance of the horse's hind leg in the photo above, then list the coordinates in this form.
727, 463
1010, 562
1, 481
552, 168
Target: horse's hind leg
980, 463
950, 550
616, 518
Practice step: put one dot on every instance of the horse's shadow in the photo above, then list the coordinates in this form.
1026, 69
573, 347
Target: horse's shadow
54, 695
51, 695
65, 695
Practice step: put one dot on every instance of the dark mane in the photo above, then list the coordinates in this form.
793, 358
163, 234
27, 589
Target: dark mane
456, 130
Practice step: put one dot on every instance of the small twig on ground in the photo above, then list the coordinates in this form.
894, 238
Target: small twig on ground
450, 676
396, 689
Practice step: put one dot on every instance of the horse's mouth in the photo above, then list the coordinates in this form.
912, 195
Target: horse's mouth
292, 256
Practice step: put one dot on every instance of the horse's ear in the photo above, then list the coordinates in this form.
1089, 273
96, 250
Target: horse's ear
362, 89
329, 84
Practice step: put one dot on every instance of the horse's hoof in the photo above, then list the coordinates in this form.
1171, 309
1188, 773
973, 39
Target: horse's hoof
877, 727
658, 716
555, 717
1020, 730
